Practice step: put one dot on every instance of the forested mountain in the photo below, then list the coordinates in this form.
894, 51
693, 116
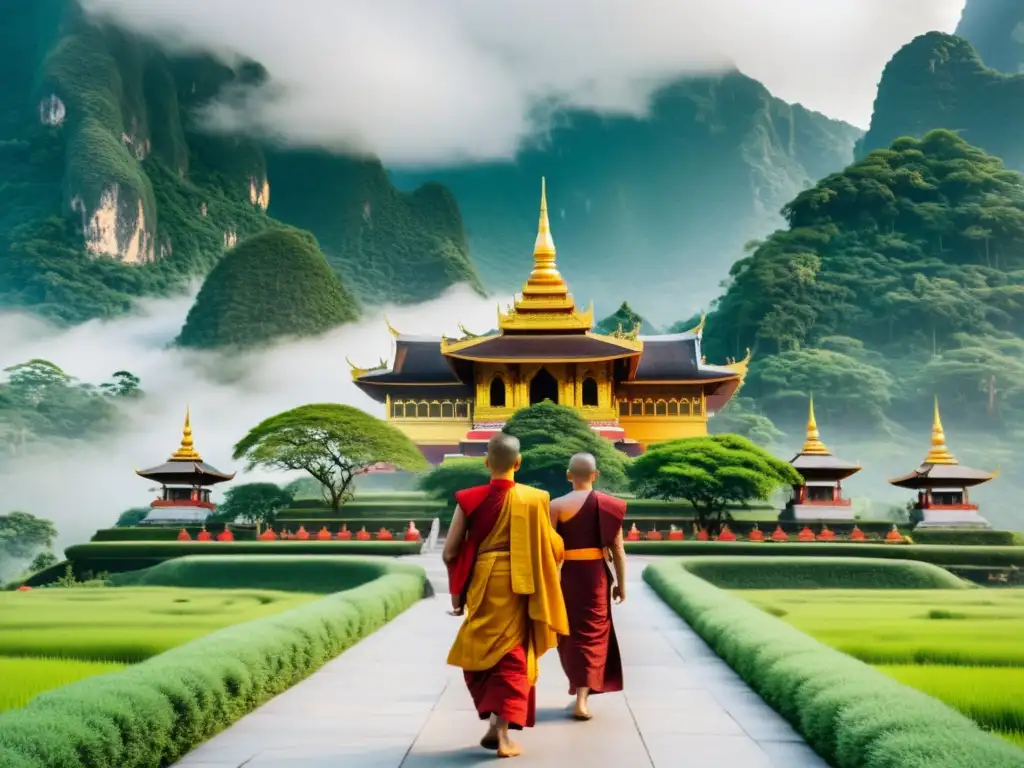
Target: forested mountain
272, 285
898, 278
939, 81
655, 209
110, 193
996, 30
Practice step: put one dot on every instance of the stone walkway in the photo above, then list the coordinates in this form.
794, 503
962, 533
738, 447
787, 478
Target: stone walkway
391, 701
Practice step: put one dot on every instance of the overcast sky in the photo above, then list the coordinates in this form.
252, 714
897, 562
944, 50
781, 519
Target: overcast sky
440, 81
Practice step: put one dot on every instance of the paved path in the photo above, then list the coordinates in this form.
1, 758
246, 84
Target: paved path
391, 701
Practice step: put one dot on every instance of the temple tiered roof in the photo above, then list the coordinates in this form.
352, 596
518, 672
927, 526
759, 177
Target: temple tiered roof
940, 467
815, 461
185, 466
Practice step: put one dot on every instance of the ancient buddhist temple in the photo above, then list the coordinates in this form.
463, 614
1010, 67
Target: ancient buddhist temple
820, 497
941, 483
185, 481
449, 395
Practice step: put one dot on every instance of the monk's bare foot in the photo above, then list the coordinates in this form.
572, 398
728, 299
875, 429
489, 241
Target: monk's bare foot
582, 712
509, 749
490, 739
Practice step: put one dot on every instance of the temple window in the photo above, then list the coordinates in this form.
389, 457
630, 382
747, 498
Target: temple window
636, 408
695, 407
543, 386
447, 410
820, 493
623, 408
660, 408
947, 498
434, 410
497, 392
397, 409
589, 397
422, 410
461, 410
673, 408
648, 407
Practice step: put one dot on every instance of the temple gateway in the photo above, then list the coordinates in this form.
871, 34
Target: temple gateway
449, 395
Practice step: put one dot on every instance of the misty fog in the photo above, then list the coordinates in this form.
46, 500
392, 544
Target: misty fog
85, 485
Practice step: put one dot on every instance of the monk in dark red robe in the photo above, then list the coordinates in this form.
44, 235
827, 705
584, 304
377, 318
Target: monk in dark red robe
590, 524
502, 555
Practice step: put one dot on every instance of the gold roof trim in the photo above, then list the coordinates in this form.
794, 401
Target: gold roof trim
186, 451
699, 328
358, 373
629, 346
739, 366
938, 453
813, 445
517, 320
391, 330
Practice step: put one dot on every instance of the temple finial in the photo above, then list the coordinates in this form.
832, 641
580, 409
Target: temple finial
187, 451
544, 270
391, 330
813, 445
939, 453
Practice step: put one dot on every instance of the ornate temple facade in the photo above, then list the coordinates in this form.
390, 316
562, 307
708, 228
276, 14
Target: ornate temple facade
820, 497
941, 483
185, 481
449, 395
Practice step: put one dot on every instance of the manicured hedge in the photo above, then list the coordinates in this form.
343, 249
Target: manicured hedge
155, 712
851, 714
393, 523
929, 553
820, 573
970, 537
121, 556
169, 533
396, 525
383, 508
286, 573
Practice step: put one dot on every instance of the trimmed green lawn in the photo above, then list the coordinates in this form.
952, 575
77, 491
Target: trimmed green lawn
51, 637
963, 647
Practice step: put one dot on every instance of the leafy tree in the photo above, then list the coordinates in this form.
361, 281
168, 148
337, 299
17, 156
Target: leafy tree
626, 319
42, 561
549, 435
122, 384
742, 417
257, 503
333, 443
452, 475
23, 534
711, 473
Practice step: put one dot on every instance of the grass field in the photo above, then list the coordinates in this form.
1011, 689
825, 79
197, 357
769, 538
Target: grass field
50, 637
963, 647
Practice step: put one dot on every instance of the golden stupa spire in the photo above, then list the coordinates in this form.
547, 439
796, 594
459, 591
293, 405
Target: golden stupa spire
813, 445
545, 274
939, 453
187, 451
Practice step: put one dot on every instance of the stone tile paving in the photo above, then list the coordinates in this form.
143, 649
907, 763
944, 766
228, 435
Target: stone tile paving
391, 701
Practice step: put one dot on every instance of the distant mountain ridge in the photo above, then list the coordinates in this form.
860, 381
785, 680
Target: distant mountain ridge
110, 193
651, 210
996, 30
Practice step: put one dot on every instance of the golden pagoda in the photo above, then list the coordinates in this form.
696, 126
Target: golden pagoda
820, 496
449, 395
185, 481
941, 483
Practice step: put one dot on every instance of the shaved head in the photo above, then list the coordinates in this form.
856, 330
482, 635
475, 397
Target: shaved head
502, 453
582, 465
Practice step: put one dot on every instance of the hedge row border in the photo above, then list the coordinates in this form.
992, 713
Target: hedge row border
157, 711
849, 713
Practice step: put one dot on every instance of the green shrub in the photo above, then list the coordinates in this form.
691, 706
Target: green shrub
383, 507
820, 573
851, 714
154, 712
930, 553
168, 533
121, 556
320, 575
968, 537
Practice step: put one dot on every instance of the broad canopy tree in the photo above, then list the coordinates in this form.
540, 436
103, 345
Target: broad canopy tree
257, 503
334, 443
711, 473
23, 536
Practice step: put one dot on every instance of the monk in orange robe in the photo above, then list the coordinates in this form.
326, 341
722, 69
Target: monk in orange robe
503, 557
590, 524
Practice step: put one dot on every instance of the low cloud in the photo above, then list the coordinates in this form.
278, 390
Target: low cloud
449, 81
83, 486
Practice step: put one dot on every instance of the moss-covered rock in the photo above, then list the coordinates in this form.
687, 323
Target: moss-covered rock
272, 285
